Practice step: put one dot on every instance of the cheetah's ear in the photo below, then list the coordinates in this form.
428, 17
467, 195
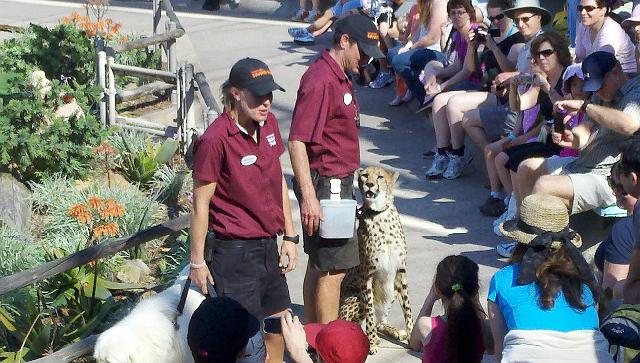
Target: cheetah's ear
359, 172
394, 178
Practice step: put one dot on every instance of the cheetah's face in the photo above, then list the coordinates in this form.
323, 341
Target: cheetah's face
376, 187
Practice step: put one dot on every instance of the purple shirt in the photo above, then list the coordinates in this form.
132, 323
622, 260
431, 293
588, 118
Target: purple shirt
460, 45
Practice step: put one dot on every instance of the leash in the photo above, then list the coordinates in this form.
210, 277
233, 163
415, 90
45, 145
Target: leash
183, 296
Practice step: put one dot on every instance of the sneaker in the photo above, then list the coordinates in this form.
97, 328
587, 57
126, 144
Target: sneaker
300, 15
305, 39
506, 249
297, 32
407, 97
384, 79
493, 207
438, 166
313, 16
397, 101
456, 165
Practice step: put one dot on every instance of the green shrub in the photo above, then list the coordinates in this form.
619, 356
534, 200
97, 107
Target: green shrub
34, 143
18, 252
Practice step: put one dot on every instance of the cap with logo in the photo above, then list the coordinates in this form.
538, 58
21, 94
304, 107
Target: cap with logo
339, 341
254, 75
361, 29
595, 67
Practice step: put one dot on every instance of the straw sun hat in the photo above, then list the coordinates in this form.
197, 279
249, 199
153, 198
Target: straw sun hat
540, 211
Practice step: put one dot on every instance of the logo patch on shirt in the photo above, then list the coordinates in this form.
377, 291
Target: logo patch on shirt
348, 98
271, 139
248, 160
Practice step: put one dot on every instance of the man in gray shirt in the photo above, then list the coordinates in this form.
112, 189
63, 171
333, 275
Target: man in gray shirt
612, 116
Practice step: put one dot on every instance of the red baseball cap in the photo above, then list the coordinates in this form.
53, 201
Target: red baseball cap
340, 341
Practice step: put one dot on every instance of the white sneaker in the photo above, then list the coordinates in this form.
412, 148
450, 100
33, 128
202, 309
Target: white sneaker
297, 32
313, 16
300, 15
506, 249
382, 80
438, 166
456, 165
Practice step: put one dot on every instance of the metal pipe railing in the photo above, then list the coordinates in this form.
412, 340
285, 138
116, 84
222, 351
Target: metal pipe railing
139, 71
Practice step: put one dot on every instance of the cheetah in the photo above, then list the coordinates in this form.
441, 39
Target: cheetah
369, 289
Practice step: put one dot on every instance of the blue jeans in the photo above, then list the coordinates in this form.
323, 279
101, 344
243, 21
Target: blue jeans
409, 65
572, 20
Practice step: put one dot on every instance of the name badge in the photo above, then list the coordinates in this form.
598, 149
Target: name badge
348, 98
248, 160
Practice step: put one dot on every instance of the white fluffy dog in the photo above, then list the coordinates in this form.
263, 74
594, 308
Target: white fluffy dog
148, 334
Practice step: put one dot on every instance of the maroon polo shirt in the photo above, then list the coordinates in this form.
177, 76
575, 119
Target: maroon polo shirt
325, 118
247, 202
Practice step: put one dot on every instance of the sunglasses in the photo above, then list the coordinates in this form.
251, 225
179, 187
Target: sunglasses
544, 53
524, 19
587, 8
496, 18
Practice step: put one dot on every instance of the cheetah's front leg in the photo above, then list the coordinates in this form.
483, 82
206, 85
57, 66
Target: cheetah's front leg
369, 311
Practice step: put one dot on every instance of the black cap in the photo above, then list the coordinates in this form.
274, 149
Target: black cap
253, 75
219, 329
361, 29
595, 67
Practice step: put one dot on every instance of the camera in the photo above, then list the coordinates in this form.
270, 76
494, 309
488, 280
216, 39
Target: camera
558, 122
479, 35
272, 325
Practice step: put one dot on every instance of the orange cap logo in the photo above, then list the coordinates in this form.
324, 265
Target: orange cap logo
373, 36
260, 73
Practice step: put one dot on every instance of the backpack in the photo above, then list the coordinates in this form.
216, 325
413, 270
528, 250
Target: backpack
622, 330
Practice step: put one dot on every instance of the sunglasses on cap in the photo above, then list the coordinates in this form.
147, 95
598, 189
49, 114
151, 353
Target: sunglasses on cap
544, 53
524, 19
496, 18
587, 8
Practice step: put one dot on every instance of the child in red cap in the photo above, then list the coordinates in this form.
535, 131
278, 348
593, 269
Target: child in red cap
339, 341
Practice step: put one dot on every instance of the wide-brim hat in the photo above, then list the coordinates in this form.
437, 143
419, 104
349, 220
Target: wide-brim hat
541, 211
635, 17
531, 5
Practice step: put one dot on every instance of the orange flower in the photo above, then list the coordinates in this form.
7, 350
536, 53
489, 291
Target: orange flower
94, 202
80, 213
112, 209
106, 230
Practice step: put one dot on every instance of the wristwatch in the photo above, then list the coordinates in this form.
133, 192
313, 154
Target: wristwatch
583, 108
294, 239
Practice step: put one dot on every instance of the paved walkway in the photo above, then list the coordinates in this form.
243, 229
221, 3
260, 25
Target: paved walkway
440, 217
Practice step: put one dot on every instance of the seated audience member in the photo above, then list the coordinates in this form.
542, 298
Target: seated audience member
408, 60
456, 337
548, 286
507, 161
629, 178
382, 12
339, 341
341, 9
540, 88
219, 331
407, 26
613, 255
633, 26
598, 32
485, 116
612, 117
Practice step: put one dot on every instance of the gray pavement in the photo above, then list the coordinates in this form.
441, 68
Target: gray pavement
440, 217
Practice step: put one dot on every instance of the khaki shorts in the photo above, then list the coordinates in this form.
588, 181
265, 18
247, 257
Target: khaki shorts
590, 191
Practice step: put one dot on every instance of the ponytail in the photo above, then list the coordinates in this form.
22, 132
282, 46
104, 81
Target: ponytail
462, 323
457, 281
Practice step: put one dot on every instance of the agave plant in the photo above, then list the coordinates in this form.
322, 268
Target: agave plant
140, 165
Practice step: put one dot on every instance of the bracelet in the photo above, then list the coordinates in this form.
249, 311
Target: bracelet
198, 265
583, 108
294, 239
511, 136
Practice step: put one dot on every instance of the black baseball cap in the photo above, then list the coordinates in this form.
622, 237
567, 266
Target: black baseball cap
595, 67
361, 29
220, 329
253, 75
